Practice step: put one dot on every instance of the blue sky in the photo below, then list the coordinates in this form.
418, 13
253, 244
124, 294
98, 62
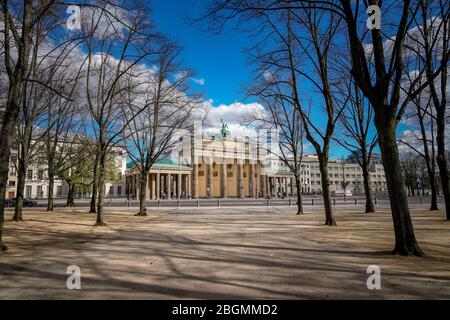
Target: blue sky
218, 59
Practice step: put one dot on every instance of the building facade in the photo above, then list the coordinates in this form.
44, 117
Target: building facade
221, 167
37, 181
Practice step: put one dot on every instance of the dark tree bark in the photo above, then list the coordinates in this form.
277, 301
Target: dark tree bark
70, 195
429, 161
51, 186
21, 175
142, 193
442, 161
370, 208
299, 195
93, 204
325, 180
101, 180
405, 240
15, 74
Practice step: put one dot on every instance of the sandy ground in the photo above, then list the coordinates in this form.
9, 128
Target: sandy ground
221, 253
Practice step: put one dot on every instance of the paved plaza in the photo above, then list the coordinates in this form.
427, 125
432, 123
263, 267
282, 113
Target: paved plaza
221, 253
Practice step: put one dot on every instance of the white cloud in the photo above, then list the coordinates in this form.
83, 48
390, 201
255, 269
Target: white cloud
236, 115
200, 81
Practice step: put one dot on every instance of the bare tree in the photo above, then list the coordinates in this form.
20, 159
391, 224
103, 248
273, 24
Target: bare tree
17, 32
358, 137
422, 141
434, 52
286, 120
113, 52
376, 50
410, 169
309, 36
157, 114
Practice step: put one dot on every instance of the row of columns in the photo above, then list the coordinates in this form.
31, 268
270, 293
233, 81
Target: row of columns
253, 186
278, 186
163, 185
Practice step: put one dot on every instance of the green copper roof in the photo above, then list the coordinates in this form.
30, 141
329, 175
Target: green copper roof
163, 164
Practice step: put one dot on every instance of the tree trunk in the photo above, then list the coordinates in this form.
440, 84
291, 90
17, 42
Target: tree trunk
6, 137
101, 188
428, 161
434, 203
405, 240
51, 185
94, 187
442, 163
142, 194
329, 218
370, 208
299, 195
20, 190
70, 195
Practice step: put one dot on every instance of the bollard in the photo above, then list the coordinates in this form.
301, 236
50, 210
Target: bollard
312, 202
178, 203
334, 201
198, 203
159, 203
356, 201
376, 201
218, 202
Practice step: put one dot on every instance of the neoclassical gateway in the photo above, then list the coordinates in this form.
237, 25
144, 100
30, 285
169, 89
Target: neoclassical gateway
214, 167
217, 166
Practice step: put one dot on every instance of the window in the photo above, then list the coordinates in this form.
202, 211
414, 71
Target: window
30, 174
12, 171
40, 193
28, 191
119, 190
41, 174
229, 174
111, 190
59, 191
216, 174
201, 173
11, 184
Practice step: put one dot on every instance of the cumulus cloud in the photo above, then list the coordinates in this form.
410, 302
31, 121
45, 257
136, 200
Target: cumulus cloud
236, 115
200, 81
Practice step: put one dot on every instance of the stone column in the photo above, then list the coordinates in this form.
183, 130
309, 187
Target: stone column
251, 180
195, 181
264, 185
158, 186
240, 180
292, 186
277, 185
209, 182
147, 187
224, 181
153, 184
286, 186
168, 186
188, 186
179, 186
138, 186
